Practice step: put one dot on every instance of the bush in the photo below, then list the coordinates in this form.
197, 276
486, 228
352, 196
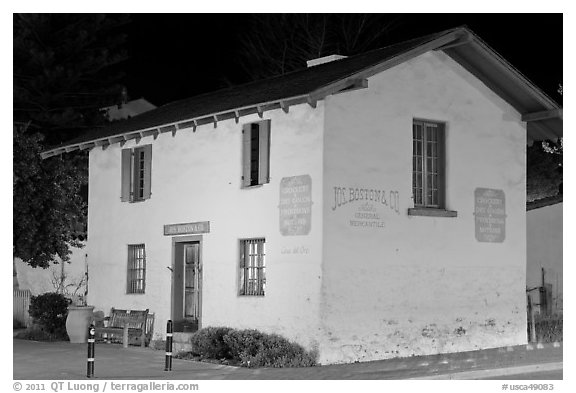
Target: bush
257, 349
549, 328
209, 343
38, 333
16, 324
49, 310
249, 348
244, 344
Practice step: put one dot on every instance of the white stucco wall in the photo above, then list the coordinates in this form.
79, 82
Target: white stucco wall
409, 285
196, 176
419, 285
544, 250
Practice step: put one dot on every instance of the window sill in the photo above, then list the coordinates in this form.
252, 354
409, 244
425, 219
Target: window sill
429, 212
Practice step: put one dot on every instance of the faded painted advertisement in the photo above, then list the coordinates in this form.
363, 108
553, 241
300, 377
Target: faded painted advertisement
295, 205
370, 205
490, 215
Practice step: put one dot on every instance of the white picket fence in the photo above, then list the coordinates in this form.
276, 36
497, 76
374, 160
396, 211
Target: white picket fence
21, 305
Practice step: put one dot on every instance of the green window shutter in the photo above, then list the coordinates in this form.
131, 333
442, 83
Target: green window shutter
147, 171
264, 151
246, 155
126, 174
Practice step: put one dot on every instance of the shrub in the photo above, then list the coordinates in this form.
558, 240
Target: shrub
209, 343
49, 310
549, 328
248, 347
38, 333
244, 344
16, 324
256, 349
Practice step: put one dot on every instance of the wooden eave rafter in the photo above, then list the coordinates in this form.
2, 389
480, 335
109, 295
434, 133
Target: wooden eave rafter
259, 109
542, 115
464, 38
181, 124
449, 42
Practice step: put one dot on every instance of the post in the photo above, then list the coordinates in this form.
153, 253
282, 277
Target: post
125, 336
532, 337
90, 364
168, 365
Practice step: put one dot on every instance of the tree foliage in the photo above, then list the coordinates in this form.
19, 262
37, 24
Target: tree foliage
49, 213
65, 70
544, 176
275, 44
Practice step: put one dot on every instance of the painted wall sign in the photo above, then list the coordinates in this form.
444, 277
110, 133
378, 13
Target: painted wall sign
490, 215
189, 228
370, 205
295, 205
344, 196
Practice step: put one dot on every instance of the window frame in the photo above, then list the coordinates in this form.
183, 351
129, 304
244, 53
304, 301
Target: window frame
136, 176
420, 178
136, 282
255, 265
256, 153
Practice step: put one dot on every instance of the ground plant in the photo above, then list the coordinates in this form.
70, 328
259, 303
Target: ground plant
549, 328
49, 312
209, 343
247, 348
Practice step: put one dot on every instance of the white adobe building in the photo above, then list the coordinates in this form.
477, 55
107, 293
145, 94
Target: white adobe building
368, 207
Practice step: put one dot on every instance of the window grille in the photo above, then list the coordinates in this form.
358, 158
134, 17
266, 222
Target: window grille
136, 269
428, 164
252, 267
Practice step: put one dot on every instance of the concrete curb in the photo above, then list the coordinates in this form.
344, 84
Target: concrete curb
499, 372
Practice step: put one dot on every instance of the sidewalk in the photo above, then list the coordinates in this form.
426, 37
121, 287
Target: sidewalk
62, 360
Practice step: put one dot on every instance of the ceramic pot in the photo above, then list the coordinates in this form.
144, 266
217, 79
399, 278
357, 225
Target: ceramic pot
77, 323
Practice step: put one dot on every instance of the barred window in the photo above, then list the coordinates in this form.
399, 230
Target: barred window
136, 269
252, 267
428, 164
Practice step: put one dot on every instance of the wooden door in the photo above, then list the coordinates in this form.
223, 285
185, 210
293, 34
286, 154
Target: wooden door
192, 282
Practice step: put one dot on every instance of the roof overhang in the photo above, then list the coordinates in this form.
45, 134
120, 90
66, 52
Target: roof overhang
542, 115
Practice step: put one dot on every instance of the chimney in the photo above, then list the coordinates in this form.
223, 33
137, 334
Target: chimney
325, 59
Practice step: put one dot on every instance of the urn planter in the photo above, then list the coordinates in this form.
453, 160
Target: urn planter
77, 323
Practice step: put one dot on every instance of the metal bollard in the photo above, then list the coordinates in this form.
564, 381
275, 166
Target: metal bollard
168, 365
90, 364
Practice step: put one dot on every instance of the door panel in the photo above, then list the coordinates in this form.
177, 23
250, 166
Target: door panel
192, 281
186, 287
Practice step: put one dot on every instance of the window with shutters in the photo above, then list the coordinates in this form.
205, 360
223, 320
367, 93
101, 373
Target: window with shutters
428, 170
136, 173
252, 267
256, 153
136, 282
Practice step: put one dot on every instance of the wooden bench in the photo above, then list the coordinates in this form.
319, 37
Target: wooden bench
134, 326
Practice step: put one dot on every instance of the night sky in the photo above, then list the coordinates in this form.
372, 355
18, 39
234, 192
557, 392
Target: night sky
174, 56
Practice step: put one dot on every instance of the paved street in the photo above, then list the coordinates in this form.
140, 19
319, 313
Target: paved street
542, 375
62, 360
